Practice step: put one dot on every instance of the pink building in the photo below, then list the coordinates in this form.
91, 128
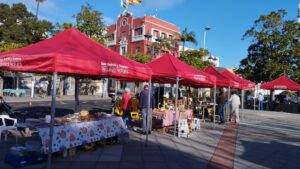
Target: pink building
128, 35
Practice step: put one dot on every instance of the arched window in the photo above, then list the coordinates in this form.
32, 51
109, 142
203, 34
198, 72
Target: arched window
124, 22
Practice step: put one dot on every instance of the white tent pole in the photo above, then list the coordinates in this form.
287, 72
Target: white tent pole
32, 86
215, 96
228, 107
242, 107
148, 113
176, 101
53, 105
228, 94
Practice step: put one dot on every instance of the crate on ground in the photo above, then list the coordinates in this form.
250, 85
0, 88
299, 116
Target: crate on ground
72, 151
112, 140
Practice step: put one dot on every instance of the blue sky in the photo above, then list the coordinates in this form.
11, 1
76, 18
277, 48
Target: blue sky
228, 19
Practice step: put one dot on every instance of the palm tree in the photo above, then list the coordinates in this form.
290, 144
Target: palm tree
162, 45
38, 6
187, 36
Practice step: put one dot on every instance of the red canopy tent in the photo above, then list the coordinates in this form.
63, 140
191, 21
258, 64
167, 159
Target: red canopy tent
244, 84
221, 80
71, 52
169, 69
281, 83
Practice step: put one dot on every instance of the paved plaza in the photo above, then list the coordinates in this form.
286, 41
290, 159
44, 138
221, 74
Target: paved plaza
262, 140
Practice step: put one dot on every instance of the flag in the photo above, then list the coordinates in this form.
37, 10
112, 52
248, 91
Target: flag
138, 1
124, 3
131, 2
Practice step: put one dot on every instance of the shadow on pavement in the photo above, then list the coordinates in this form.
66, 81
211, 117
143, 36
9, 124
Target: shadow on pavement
270, 155
163, 152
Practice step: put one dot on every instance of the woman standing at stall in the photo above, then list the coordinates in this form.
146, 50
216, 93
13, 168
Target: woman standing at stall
126, 106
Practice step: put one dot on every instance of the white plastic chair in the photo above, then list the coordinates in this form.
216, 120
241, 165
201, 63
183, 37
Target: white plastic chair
6, 127
183, 128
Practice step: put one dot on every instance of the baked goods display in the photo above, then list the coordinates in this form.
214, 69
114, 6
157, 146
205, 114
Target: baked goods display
81, 116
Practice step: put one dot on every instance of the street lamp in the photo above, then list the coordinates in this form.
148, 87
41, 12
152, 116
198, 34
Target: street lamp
206, 29
148, 36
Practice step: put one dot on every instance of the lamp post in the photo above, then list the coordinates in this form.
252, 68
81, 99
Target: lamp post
148, 36
206, 29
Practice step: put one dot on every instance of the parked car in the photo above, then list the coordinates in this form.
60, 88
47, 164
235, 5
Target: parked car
287, 98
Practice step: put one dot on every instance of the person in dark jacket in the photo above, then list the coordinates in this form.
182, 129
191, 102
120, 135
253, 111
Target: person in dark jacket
220, 105
143, 106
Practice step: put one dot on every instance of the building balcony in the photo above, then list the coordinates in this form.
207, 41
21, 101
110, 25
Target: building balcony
110, 42
138, 38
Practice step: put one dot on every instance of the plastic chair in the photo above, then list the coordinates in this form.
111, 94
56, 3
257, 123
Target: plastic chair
134, 109
6, 127
183, 129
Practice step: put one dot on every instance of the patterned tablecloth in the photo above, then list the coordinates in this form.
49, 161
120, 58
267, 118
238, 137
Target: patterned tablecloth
168, 116
76, 134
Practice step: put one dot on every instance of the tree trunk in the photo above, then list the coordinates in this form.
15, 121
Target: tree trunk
183, 46
77, 104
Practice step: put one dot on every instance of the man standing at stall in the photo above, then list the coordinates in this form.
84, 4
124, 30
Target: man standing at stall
220, 105
234, 104
143, 106
260, 98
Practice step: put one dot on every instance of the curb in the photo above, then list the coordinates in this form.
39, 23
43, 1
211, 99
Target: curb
48, 99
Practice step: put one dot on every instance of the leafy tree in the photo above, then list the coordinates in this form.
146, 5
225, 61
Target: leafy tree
186, 36
274, 49
140, 57
18, 25
10, 46
90, 22
161, 45
38, 6
61, 27
195, 58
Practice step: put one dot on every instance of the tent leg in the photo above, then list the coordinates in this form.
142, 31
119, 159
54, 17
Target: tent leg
53, 105
228, 105
148, 113
176, 102
242, 106
215, 96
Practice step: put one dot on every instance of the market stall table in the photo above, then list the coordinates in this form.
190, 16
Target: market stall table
75, 134
168, 116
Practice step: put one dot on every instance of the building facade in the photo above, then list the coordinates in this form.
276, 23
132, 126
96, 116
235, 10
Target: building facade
127, 35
